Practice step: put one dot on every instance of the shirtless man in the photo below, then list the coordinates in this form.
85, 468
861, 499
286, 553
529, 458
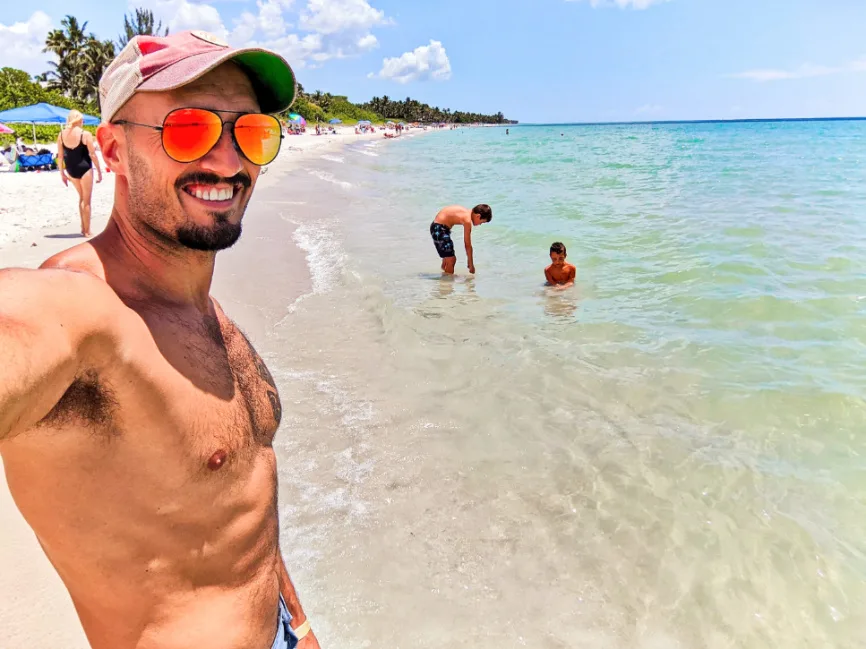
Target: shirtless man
136, 420
440, 230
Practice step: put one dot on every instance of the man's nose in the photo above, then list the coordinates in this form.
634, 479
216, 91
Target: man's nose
224, 159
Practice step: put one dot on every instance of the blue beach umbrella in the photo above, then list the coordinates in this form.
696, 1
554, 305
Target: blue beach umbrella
335, 121
365, 122
41, 113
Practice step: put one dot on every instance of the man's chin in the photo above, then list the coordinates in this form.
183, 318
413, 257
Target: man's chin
209, 238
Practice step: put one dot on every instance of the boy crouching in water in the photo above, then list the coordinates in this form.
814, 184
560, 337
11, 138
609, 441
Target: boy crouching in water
440, 230
560, 273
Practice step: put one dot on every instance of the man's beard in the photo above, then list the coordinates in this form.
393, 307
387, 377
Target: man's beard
147, 206
219, 236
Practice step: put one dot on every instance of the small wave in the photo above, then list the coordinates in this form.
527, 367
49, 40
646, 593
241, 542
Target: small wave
325, 257
324, 175
333, 158
369, 153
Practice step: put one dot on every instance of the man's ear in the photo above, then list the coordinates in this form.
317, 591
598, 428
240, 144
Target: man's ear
107, 135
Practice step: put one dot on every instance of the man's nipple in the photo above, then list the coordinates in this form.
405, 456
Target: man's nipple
217, 460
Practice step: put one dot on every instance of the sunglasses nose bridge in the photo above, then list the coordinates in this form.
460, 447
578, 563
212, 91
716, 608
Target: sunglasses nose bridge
225, 157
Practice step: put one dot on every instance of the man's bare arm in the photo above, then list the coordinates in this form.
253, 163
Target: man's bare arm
51, 323
287, 590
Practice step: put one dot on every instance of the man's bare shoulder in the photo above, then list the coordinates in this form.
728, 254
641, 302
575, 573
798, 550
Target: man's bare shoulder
81, 258
71, 284
50, 292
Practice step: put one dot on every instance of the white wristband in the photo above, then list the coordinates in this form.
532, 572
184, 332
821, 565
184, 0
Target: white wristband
302, 631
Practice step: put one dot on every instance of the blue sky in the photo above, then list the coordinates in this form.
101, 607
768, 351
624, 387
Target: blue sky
541, 61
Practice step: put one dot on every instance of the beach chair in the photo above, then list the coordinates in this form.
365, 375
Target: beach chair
39, 161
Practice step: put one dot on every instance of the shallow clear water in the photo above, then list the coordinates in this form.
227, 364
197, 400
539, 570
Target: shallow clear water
669, 455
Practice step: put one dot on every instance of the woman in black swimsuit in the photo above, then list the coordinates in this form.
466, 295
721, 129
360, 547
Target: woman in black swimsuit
76, 156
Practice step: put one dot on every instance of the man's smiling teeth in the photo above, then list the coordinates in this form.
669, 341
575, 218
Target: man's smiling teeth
215, 194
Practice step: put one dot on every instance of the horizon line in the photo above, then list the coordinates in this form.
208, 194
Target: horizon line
695, 121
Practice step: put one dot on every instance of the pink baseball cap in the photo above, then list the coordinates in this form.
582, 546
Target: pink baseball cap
158, 63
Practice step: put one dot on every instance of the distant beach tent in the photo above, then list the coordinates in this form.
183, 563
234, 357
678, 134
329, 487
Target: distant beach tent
365, 122
335, 121
41, 114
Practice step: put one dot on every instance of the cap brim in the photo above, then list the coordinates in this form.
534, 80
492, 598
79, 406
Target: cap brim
271, 75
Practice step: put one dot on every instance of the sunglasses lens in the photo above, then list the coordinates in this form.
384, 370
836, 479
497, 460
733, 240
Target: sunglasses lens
189, 133
258, 137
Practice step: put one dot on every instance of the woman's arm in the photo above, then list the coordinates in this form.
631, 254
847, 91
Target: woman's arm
60, 159
88, 140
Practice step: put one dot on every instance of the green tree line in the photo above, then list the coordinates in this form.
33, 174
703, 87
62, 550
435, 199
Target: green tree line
411, 110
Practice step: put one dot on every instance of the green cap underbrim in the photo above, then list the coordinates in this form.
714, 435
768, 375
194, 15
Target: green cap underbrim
272, 78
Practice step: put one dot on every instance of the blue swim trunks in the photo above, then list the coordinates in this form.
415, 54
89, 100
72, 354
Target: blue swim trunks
442, 240
286, 638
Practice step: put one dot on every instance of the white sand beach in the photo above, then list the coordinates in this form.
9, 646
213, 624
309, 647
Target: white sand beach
38, 218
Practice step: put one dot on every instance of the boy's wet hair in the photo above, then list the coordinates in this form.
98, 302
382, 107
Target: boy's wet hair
558, 248
483, 210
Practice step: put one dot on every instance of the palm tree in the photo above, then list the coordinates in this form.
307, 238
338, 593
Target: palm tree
94, 59
140, 25
67, 44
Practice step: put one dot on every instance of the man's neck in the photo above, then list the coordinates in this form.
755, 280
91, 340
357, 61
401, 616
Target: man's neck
157, 270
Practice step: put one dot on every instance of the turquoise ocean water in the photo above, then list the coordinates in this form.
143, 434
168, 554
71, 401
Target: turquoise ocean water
672, 454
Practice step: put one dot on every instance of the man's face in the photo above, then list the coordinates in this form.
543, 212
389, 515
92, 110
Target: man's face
557, 258
199, 204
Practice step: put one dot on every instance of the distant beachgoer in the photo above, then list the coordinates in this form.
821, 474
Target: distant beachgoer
76, 157
446, 219
560, 273
506, 131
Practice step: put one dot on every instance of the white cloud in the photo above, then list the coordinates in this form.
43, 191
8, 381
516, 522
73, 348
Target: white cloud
22, 43
245, 28
622, 4
269, 21
423, 63
368, 42
805, 71
338, 29
333, 16
297, 50
183, 14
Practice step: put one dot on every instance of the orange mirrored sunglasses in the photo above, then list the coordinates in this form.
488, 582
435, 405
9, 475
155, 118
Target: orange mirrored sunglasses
190, 133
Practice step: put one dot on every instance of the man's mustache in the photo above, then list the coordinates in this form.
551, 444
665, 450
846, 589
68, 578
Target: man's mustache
205, 178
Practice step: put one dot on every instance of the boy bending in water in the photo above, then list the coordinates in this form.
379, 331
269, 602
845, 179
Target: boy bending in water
440, 230
560, 273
